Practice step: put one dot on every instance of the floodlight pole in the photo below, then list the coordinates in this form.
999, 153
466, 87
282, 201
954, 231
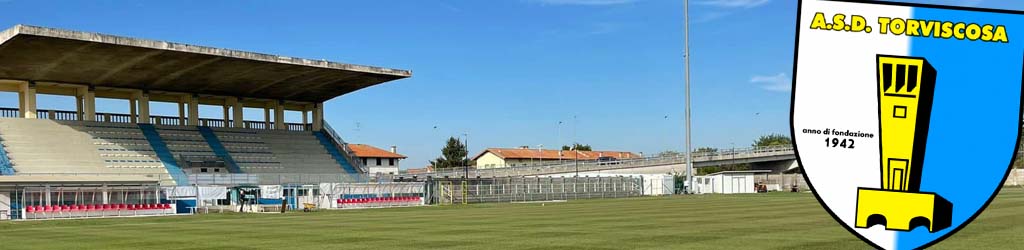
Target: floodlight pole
466, 164
686, 55
576, 151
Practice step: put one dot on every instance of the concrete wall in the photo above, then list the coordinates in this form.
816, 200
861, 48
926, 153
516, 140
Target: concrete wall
1016, 178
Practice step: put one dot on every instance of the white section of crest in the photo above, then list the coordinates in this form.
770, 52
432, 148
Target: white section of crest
836, 86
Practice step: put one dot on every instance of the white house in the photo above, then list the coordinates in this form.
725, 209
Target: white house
377, 160
728, 182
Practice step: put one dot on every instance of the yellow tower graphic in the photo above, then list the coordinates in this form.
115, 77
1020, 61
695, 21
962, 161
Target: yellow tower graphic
906, 86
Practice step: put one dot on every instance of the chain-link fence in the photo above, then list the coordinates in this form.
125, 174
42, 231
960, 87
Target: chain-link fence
526, 189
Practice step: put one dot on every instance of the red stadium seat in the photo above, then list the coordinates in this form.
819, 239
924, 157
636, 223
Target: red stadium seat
105, 207
30, 209
90, 207
165, 206
47, 208
122, 206
131, 206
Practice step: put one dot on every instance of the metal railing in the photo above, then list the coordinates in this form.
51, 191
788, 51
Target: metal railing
570, 166
345, 150
64, 115
527, 189
235, 179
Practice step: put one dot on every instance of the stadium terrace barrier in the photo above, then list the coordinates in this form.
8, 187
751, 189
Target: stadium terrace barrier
9, 113
571, 166
153, 119
528, 189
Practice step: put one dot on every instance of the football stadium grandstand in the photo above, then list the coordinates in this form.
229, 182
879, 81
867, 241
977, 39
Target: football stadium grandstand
82, 163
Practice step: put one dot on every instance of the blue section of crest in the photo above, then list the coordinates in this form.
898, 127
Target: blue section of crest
975, 117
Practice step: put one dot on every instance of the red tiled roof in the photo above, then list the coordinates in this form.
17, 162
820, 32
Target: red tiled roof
548, 154
363, 150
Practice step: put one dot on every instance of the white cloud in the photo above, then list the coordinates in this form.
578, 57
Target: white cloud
779, 82
583, 2
710, 16
733, 3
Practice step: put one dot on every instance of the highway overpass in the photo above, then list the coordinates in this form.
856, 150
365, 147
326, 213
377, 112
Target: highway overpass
777, 159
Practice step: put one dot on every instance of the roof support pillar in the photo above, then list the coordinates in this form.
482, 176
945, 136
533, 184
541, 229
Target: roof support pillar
193, 110
132, 103
181, 110
79, 111
227, 116
238, 115
89, 104
143, 107
27, 100
266, 116
279, 115
305, 116
318, 116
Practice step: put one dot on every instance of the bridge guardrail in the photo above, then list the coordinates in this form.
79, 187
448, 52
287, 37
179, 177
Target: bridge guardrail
569, 165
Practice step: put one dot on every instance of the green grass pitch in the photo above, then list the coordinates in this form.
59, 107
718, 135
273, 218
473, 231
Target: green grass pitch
761, 221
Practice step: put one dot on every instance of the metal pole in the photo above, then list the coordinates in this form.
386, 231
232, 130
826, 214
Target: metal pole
559, 142
466, 167
686, 55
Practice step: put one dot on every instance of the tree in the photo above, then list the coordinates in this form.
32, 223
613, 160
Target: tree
716, 169
670, 153
772, 140
453, 155
577, 146
702, 150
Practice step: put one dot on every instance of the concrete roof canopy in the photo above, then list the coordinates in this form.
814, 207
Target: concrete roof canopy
31, 53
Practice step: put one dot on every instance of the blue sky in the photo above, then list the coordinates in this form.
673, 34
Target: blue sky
505, 72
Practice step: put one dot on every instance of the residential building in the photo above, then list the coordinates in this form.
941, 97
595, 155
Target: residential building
377, 160
525, 156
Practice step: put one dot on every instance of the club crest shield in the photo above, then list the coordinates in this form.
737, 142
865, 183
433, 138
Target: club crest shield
906, 117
